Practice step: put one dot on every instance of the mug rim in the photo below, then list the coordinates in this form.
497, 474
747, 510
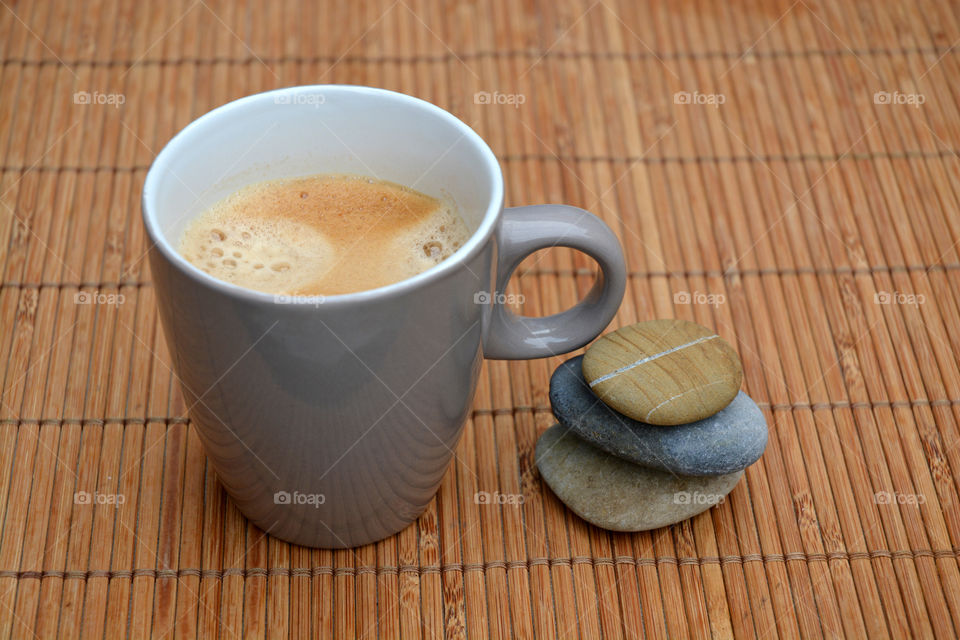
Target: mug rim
181, 140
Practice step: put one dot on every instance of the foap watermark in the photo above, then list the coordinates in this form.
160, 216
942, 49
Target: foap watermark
897, 97
894, 497
485, 497
99, 98
498, 297
304, 99
96, 297
699, 297
898, 297
513, 99
85, 497
298, 497
695, 497
712, 99
287, 299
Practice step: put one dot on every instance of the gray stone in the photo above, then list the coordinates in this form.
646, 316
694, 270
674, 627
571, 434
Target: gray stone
728, 441
615, 494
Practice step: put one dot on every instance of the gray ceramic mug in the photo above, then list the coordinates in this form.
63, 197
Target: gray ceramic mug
330, 421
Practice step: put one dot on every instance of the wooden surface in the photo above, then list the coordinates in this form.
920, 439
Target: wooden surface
801, 197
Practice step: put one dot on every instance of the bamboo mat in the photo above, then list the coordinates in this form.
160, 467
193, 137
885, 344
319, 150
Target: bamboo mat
785, 172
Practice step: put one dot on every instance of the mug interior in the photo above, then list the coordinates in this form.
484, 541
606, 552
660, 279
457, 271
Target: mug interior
321, 129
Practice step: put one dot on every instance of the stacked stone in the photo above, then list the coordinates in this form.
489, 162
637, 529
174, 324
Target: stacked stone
653, 428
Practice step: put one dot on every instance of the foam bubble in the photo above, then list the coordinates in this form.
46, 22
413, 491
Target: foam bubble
245, 244
433, 241
322, 235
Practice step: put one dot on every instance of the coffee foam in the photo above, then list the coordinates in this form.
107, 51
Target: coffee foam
322, 235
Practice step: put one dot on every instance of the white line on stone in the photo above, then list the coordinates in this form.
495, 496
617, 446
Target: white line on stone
672, 398
647, 359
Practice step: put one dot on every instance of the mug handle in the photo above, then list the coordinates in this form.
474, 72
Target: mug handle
523, 230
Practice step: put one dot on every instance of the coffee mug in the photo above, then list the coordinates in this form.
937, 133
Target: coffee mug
331, 420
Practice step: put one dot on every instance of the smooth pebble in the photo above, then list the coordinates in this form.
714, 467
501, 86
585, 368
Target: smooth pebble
618, 495
664, 372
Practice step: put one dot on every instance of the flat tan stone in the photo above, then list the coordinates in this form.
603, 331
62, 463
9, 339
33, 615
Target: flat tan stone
664, 372
619, 495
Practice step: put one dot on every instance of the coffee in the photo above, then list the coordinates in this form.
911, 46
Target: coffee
322, 235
